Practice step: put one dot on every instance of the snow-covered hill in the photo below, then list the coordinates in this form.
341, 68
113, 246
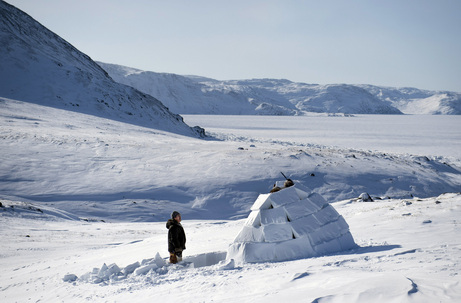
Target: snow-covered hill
74, 161
199, 95
417, 101
39, 67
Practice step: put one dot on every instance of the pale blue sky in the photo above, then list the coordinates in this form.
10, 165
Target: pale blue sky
398, 43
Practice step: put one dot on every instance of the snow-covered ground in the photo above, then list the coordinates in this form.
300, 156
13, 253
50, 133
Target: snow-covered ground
80, 191
409, 252
82, 163
424, 135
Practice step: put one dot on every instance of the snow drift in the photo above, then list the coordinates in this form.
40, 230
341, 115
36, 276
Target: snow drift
38, 66
290, 224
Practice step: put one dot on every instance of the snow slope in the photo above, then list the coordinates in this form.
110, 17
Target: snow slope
74, 160
199, 95
417, 101
38, 66
84, 206
409, 251
185, 95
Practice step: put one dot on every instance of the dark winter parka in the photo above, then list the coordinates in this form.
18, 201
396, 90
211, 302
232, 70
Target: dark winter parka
176, 236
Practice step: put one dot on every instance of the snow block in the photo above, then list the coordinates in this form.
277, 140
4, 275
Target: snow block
262, 202
294, 249
254, 252
206, 259
332, 230
305, 226
327, 214
114, 269
347, 241
328, 247
274, 215
277, 232
145, 269
69, 278
342, 223
317, 200
303, 191
103, 272
159, 261
314, 205
300, 209
129, 269
301, 194
283, 197
250, 234
254, 219
326, 233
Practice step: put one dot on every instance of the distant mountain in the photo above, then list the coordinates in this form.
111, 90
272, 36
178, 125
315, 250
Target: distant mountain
37, 66
200, 95
416, 101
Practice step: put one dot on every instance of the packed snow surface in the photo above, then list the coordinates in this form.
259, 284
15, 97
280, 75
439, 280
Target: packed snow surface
421, 135
409, 251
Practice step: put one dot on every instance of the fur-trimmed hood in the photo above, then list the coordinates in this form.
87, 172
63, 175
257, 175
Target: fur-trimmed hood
171, 223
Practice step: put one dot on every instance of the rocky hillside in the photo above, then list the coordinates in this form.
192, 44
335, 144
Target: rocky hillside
37, 66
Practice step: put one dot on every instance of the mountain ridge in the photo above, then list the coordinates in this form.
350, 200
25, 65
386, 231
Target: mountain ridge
201, 95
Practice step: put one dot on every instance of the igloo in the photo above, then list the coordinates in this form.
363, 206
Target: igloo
290, 224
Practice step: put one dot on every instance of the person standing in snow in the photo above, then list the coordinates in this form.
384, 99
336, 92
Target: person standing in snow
176, 237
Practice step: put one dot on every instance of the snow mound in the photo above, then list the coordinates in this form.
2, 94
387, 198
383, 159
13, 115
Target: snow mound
290, 224
113, 272
108, 274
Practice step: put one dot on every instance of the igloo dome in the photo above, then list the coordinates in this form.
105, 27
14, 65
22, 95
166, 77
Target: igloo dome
290, 224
